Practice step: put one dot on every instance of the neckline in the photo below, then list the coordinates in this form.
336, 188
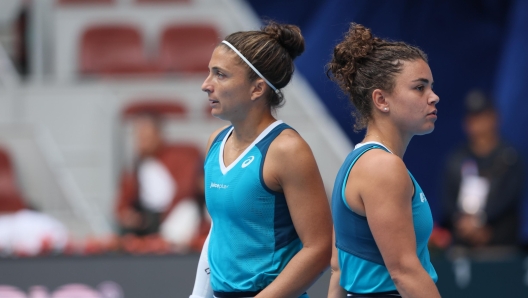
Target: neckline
359, 145
265, 132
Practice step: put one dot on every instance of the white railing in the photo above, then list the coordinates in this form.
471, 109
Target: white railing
9, 77
81, 207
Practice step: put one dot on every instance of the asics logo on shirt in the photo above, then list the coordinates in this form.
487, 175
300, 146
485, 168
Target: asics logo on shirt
422, 197
248, 161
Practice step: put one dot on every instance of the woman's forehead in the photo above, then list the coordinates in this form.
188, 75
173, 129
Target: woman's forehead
415, 70
224, 58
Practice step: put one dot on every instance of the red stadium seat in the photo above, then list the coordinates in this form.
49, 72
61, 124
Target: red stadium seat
161, 107
185, 164
187, 48
10, 196
113, 49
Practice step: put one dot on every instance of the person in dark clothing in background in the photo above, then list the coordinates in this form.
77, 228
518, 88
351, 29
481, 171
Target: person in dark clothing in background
160, 196
483, 181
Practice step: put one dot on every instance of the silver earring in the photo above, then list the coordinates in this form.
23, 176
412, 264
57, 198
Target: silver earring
386, 109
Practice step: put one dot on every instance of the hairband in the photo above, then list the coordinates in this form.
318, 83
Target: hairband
250, 65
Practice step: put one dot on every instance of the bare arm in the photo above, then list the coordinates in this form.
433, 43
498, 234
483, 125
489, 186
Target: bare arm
386, 195
290, 167
335, 290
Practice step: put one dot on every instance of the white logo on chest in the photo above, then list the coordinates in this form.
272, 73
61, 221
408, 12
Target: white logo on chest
422, 197
218, 185
248, 161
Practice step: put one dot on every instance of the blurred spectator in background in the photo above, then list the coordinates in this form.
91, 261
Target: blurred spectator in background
159, 201
24, 232
483, 181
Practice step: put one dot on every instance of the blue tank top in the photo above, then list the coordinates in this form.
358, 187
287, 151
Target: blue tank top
362, 268
253, 237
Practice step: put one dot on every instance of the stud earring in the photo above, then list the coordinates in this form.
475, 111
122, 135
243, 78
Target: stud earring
386, 109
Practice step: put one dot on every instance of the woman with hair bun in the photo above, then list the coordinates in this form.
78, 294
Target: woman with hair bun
272, 228
382, 220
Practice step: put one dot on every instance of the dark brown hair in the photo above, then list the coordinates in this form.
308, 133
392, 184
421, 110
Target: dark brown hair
362, 63
272, 51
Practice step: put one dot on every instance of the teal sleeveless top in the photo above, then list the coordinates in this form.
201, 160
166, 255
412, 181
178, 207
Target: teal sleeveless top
253, 237
362, 268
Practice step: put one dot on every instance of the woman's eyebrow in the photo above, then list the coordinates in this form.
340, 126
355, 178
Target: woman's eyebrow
423, 80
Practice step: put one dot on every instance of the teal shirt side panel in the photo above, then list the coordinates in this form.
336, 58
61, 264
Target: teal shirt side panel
363, 276
423, 227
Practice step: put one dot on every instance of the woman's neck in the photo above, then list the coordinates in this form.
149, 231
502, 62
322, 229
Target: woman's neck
391, 138
247, 130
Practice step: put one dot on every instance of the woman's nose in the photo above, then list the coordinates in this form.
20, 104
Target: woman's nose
206, 85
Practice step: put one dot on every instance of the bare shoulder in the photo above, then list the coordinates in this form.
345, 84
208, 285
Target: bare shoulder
381, 165
213, 136
290, 164
290, 155
379, 174
287, 144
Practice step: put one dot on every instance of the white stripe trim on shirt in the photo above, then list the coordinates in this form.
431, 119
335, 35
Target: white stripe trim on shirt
264, 133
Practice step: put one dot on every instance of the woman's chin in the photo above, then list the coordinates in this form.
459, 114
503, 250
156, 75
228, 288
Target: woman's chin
218, 115
426, 130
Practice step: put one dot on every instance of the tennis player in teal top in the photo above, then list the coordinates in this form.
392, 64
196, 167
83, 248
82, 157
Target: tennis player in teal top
271, 232
382, 220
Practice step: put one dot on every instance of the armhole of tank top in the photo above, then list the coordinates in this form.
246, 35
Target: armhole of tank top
343, 198
282, 127
414, 183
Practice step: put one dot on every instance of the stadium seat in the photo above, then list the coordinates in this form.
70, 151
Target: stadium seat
162, 107
187, 48
186, 166
84, 2
10, 196
113, 49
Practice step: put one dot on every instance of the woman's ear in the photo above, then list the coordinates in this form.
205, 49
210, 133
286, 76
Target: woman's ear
379, 100
258, 88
